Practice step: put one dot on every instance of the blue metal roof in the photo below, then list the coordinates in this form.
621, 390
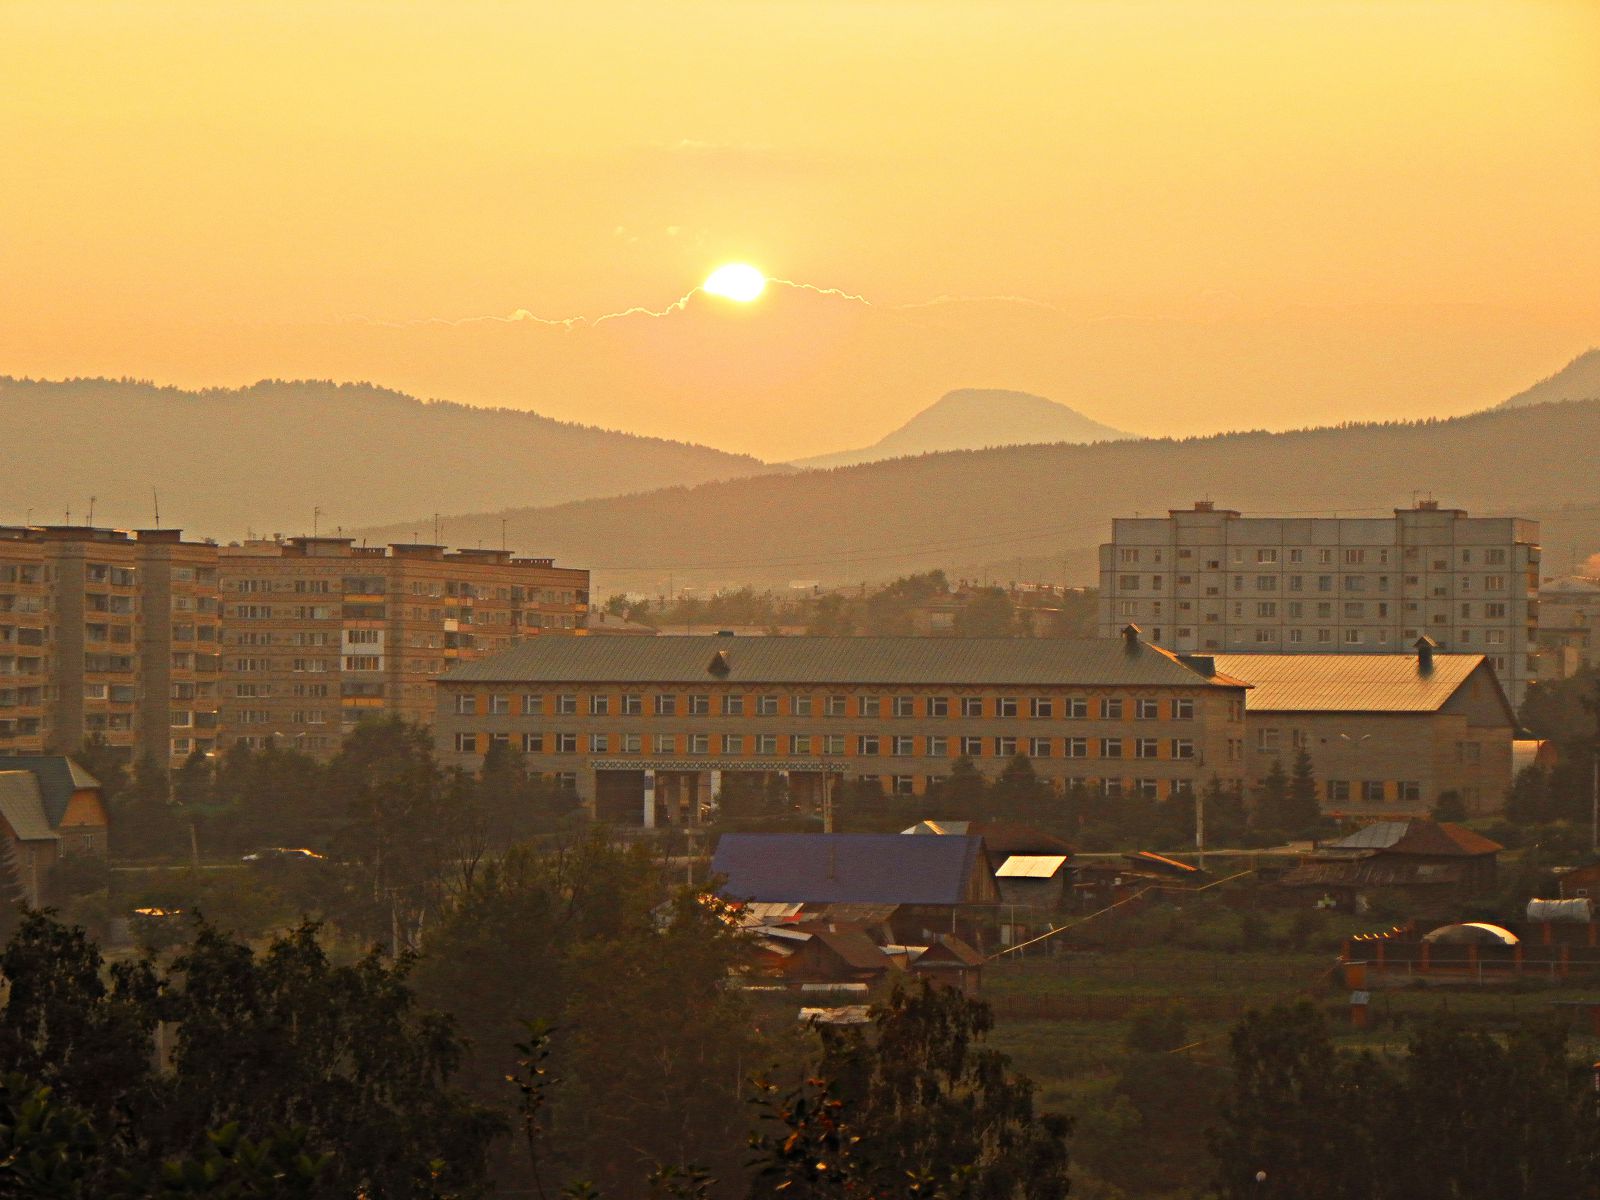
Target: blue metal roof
849, 868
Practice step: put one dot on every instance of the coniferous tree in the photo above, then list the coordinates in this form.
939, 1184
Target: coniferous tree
1019, 794
964, 793
1271, 799
1301, 811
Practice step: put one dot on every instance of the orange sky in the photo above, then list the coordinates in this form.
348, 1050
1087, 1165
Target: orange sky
1231, 212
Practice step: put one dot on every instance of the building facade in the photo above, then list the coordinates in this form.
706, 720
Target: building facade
1387, 734
110, 633
648, 729
1569, 622
1208, 580
320, 632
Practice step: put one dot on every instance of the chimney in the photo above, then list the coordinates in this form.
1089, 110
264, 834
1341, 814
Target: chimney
1130, 637
1425, 647
719, 665
1205, 506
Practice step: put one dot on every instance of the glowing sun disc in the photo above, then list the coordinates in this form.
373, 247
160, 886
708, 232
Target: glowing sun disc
736, 281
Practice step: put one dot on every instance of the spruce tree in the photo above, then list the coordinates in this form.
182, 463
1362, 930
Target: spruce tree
1301, 811
1272, 799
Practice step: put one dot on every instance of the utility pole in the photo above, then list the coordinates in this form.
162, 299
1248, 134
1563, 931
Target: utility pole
1200, 827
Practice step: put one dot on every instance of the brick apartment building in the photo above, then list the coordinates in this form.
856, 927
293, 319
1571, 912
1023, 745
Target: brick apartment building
319, 632
647, 729
1209, 580
108, 632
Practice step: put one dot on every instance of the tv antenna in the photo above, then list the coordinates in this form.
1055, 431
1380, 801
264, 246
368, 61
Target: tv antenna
155, 496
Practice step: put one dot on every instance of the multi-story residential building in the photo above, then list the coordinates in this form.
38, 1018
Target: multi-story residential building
110, 633
1569, 622
1387, 734
1209, 580
320, 632
648, 729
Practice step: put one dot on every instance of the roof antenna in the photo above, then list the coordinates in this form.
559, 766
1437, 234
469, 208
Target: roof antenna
316, 517
90, 518
156, 496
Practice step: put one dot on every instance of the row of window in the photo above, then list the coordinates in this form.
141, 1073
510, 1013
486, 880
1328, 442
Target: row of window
1297, 583
632, 704
838, 745
1492, 556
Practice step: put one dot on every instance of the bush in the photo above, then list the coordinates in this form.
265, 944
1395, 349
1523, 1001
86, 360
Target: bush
1157, 1028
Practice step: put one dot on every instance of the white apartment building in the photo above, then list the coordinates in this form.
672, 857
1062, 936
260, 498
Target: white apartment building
1208, 580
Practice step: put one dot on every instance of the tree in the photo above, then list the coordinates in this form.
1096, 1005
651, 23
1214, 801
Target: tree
1450, 807
142, 820
1301, 812
988, 613
963, 795
1019, 794
1528, 801
1272, 799
920, 1108
107, 763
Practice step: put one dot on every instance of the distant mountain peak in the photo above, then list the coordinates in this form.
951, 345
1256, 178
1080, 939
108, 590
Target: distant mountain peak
975, 419
1578, 380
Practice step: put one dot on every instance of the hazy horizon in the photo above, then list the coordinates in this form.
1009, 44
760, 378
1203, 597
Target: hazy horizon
1176, 219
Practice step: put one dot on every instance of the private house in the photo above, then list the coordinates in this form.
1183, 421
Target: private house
1387, 734
50, 809
1431, 866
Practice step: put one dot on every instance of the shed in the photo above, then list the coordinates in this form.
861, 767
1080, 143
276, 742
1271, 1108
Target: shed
949, 961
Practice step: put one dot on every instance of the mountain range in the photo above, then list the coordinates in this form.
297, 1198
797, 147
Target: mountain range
262, 458
1578, 380
977, 511
974, 419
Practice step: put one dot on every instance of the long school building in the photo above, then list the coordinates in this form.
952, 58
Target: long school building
648, 729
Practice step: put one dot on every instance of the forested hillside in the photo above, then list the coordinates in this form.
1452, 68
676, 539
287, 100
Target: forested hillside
263, 457
971, 510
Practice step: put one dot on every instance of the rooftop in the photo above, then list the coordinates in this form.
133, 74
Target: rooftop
843, 660
853, 868
1440, 839
1349, 682
58, 776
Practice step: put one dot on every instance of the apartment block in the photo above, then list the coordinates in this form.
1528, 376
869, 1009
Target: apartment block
1208, 580
647, 730
1569, 621
108, 632
320, 632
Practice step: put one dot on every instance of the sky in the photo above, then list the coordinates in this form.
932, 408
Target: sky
1178, 216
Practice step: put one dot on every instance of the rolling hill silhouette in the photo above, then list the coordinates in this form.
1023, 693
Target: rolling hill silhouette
970, 511
262, 457
1578, 380
975, 419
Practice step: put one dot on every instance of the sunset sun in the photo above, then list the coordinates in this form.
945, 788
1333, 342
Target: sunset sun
736, 281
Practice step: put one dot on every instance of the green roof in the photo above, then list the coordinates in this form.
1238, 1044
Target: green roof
1102, 662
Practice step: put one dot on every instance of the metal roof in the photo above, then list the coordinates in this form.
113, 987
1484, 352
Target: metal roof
1103, 662
23, 807
1030, 866
852, 868
1349, 682
58, 775
1436, 839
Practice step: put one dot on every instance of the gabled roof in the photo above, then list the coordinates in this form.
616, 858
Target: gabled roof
949, 950
1349, 682
1436, 839
1107, 662
854, 948
23, 808
1001, 838
1030, 866
59, 776
852, 868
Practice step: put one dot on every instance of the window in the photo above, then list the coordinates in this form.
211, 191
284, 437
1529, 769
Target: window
500, 706
800, 743
699, 743
1410, 791
1494, 558
666, 706
871, 706
1128, 556
631, 743
1111, 789
1039, 747
566, 743
1353, 637
1147, 710
1268, 739
1372, 791
532, 705
566, 705
1181, 748
699, 706
1146, 748
466, 743
972, 747
833, 744
938, 706
1075, 747
1128, 583
1127, 608
1468, 752
1039, 707
1005, 706
664, 743
1077, 708
1005, 747
466, 706
903, 785
1494, 583
766, 743
1338, 790
1110, 747
1267, 608
1493, 612
1355, 557
733, 706
733, 743
599, 706
599, 743
905, 706
800, 706
1110, 710
833, 706
972, 706
939, 746
1266, 583
866, 744
363, 662
766, 706
1266, 556
632, 704
902, 746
